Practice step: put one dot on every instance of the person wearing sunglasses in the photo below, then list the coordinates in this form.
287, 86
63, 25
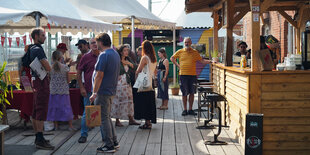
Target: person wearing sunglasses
243, 50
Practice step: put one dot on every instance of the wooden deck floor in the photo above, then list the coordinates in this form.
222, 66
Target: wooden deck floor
173, 134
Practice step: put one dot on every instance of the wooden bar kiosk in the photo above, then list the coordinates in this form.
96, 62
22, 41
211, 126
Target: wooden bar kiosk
283, 97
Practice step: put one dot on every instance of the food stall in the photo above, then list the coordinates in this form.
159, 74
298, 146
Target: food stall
283, 97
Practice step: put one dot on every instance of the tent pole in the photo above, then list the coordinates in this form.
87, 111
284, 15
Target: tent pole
119, 37
174, 48
37, 19
133, 33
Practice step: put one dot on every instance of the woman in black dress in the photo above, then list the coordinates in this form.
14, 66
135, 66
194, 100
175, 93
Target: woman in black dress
145, 103
162, 78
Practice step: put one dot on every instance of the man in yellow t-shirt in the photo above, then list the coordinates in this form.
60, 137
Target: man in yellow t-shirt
187, 58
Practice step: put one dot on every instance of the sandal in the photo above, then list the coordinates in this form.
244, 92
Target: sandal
160, 107
163, 108
145, 126
133, 123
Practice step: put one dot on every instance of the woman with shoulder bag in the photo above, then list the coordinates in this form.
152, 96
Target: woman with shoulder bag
145, 107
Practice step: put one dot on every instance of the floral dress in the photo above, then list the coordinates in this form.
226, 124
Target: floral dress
122, 106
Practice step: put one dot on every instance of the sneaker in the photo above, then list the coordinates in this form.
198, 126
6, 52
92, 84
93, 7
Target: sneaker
184, 113
106, 149
82, 139
116, 145
44, 145
191, 112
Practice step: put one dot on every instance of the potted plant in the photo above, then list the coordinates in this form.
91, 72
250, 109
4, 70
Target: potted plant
175, 88
4, 90
215, 56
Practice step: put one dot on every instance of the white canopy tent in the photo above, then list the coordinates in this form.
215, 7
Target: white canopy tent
129, 13
21, 15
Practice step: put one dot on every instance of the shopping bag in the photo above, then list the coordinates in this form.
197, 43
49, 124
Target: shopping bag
144, 80
265, 58
93, 115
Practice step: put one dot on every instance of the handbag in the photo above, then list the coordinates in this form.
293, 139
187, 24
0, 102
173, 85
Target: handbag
144, 80
93, 115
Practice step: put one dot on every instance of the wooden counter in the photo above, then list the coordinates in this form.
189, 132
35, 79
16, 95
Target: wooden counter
282, 96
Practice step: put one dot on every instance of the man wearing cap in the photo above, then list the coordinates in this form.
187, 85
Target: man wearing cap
86, 66
83, 46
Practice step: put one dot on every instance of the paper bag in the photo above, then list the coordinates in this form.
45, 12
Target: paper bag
93, 115
265, 60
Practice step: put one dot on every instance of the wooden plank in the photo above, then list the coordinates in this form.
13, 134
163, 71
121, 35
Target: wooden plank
233, 80
54, 142
127, 140
235, 141
156, 132
215, 31
152, 149
286, 87
286, 104
281, 152
288, 18
286, 120
286, 96
292, 112
230, 148
286, 145
289, 137
286, 78
66, 146
287, 128
235, 100
139, 144
238, 89
265, 5
168, 135
255, 94
232, 92
238, 76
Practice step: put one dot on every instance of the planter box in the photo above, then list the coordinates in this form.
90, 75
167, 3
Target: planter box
175, 91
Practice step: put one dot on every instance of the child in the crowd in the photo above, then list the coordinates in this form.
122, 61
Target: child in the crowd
59, 107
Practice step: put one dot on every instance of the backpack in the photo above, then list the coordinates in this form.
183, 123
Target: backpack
26, 61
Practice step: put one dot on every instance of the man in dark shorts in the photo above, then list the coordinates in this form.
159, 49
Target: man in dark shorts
41, 90
188, 58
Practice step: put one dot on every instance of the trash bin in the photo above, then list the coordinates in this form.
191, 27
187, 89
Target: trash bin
254, 134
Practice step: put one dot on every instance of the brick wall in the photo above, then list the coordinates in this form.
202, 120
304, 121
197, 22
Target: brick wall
278, 27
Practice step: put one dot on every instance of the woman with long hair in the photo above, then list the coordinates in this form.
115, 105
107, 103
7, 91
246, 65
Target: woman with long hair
162, 78
145, 107
123, 106
59, 106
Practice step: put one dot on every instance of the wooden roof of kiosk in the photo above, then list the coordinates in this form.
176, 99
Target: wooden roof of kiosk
227, 16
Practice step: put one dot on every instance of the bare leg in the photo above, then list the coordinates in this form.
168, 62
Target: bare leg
165, 103
34, 125
191, 101
118, 123
132, 121
39, 125
184, 99
70, 124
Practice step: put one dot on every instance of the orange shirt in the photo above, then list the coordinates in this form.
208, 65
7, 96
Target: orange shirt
187, 60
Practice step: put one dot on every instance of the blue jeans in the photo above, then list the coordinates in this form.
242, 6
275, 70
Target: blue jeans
84, 128
107, 129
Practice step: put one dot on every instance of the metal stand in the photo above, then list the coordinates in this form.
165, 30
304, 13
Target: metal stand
206, 122
216, 141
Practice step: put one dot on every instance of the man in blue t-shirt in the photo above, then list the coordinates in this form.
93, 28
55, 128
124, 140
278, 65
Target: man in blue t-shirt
41, 89
105, 80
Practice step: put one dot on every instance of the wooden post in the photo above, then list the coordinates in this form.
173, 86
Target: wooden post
215, 31
229, 33
298, 41
255, 45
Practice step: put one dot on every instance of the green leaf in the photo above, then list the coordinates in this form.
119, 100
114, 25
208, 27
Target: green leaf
7, 101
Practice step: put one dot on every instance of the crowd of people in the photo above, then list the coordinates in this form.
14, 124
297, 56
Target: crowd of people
106, 77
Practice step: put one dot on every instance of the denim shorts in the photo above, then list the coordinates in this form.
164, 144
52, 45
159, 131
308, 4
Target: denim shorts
188, 84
